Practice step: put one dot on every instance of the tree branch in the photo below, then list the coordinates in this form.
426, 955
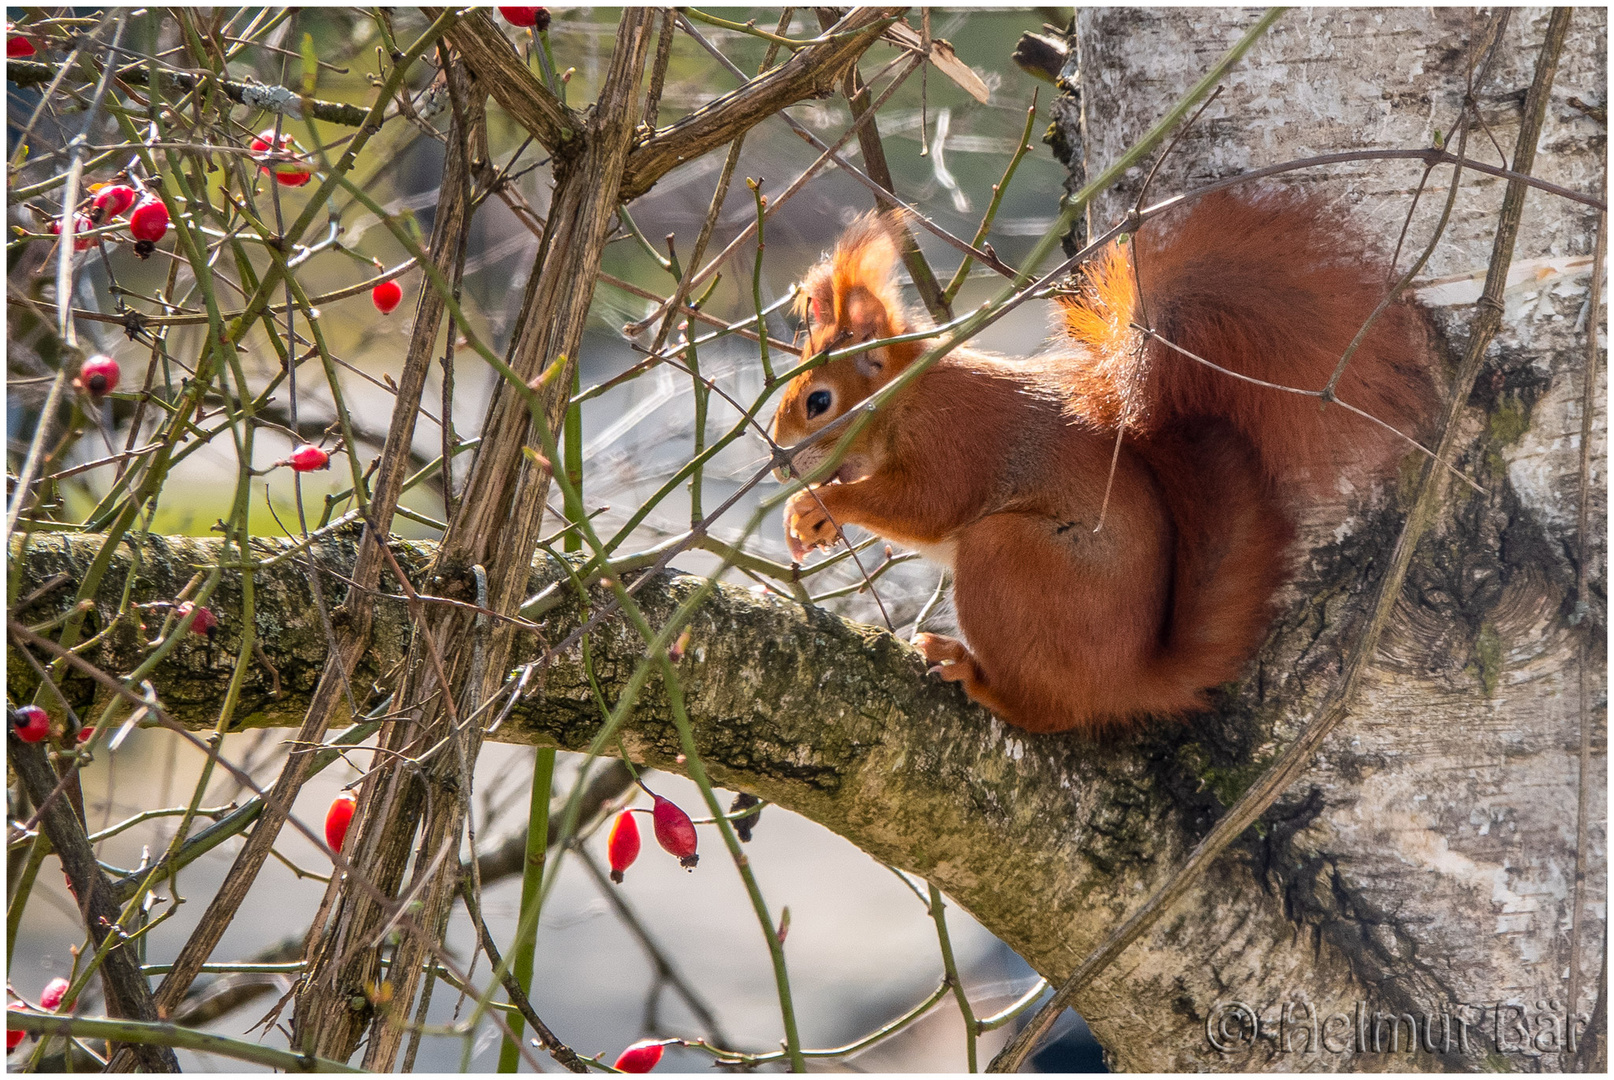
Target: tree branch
502, 73
811, 72
273, 99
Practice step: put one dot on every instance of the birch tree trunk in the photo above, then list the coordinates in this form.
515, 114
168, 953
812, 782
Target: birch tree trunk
1426, 865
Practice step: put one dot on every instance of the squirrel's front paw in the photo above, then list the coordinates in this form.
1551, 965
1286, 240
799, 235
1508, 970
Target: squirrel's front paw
808, 525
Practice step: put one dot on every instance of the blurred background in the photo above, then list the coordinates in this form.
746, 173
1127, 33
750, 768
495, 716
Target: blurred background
862, 948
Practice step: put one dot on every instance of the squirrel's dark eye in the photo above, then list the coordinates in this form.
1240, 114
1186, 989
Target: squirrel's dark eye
817, 402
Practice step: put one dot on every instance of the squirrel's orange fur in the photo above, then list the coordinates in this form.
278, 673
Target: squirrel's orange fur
1000, 467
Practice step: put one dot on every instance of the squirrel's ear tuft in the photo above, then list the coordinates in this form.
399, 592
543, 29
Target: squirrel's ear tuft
865, 261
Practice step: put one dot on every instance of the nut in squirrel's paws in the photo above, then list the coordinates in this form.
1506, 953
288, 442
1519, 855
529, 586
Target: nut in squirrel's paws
808, 525
949, 658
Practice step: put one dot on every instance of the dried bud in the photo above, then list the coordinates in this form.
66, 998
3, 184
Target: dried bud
744, 825
676, 653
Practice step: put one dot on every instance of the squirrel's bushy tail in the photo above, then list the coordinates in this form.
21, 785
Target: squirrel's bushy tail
1231, 552
1272, 286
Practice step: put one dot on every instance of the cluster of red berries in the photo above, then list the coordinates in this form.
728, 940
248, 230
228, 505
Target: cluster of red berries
674, 832
148, 217
50, 999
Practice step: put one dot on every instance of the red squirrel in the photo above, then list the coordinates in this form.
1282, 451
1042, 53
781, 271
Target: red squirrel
999, 467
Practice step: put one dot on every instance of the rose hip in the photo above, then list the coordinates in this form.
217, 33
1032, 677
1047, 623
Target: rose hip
641, 1057
81, 224
675, 832
149, 221
205, 622
386, 296
114, 199
338, 818
30, 722
307, 458
535, 17
98, 376
287, 174
51, 997
622, 846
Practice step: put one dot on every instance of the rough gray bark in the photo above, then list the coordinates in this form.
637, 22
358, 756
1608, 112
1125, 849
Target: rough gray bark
1421, 871
1432, 846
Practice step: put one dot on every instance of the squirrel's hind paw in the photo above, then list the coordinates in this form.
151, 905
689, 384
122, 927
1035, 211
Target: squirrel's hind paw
949, 657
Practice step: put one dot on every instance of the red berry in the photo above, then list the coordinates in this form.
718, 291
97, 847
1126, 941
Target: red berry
114, 199
622, 846
13, 1036
386, 296
288, 174
535, 17
338, 818
641, 1057
30, 722
149, 221
51, 997
85, 734
81, 224
307, 458
18, 48
204, 623
675, 832
99, 376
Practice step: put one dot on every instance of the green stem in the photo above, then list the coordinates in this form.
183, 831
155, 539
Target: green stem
748, 1061
992, 210
134, 1031
524, 949
25, 886
753, 30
